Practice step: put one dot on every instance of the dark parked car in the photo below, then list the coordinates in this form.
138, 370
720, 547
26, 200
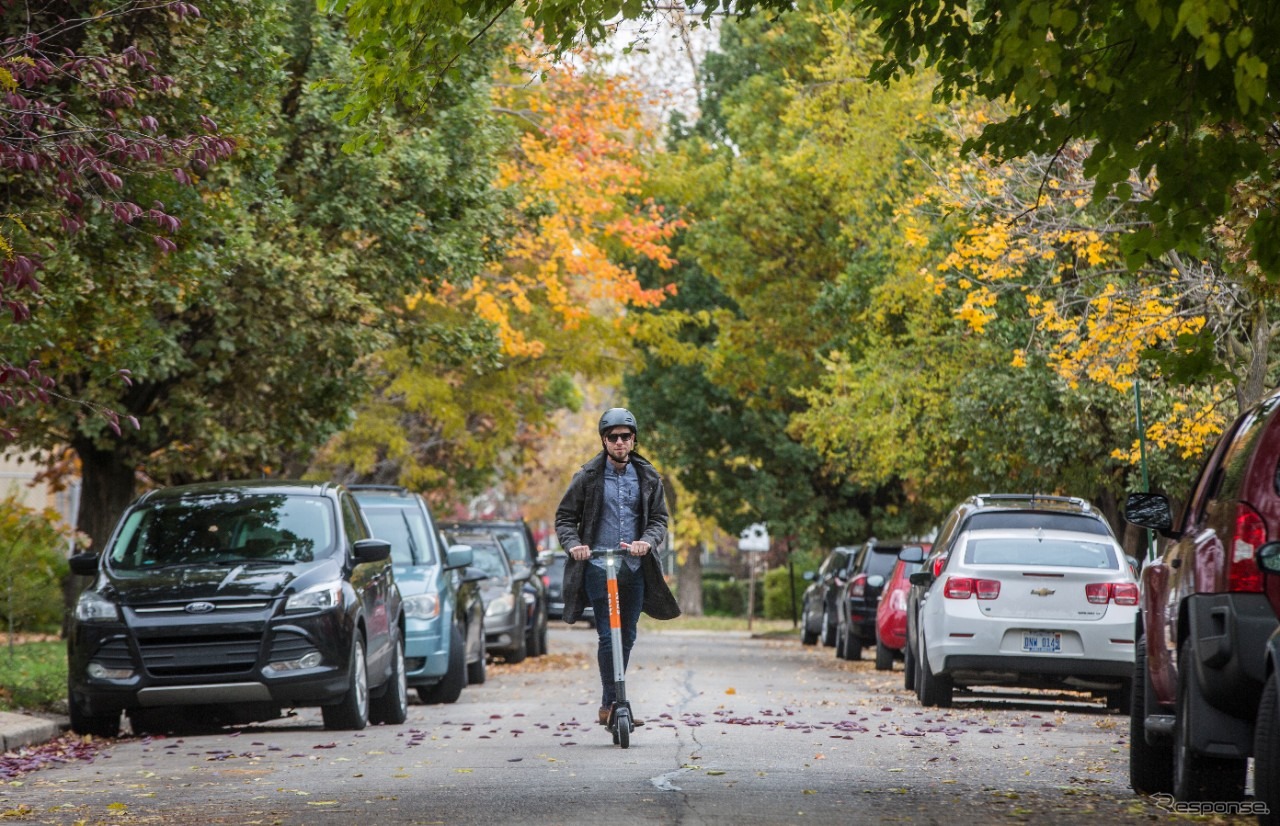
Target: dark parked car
553, 577
1200, 665
443, 609
982, 512
229, 602
818, 605
522, 549
505, 606
857, 600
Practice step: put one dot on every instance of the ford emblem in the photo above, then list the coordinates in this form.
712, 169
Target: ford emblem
199, 607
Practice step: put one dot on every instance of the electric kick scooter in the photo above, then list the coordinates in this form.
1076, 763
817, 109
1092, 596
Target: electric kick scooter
619, 724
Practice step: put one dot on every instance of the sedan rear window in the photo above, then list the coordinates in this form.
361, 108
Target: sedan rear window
1023, 520
1033, 552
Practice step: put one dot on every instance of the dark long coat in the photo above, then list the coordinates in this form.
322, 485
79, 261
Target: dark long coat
577, 519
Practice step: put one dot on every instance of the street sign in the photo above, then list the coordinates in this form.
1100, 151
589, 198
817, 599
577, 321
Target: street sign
754, 538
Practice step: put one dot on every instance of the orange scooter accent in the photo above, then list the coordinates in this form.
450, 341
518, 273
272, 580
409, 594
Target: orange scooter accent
620, 720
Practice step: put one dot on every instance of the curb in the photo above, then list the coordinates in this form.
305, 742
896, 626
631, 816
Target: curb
19, 730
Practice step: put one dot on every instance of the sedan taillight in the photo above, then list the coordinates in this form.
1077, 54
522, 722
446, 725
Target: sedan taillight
1242, 568
963, 587
1121, 593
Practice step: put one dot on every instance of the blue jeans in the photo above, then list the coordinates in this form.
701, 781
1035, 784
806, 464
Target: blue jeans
630, 601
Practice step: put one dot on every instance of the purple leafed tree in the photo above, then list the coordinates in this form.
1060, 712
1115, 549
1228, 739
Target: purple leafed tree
78, 121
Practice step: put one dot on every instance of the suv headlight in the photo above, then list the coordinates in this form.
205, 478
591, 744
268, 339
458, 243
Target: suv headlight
320, 597
94, 607
501, 605
422, 606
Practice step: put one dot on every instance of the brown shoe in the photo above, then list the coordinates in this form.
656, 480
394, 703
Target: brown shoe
604, 715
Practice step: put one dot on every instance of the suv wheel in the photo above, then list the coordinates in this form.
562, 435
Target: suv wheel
392, 707
449, 689
1150, 765
852, 644
99, 725
476, 671
519, 652
828, 628
351, 713
1266, 750
807, 637
1195, 776
884, 656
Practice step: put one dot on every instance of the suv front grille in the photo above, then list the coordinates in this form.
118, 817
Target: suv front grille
229, 655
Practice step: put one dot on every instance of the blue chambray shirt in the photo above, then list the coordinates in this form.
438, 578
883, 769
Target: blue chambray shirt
620, 519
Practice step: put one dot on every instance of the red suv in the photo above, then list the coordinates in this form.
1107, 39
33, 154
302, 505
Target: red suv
1200, 658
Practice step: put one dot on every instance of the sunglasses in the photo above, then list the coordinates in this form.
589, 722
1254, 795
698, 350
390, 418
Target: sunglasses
619, 437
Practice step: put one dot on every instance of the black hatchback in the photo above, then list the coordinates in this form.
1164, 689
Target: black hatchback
230, 602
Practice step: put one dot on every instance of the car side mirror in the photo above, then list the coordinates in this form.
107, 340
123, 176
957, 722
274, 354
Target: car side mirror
459, 556
912, 555
371, 550
474, 575
545, 557
1150, 510
1267, 556
84, 564
809, 576
875, 584
924, 578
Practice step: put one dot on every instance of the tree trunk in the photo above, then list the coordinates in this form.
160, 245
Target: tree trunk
689, 583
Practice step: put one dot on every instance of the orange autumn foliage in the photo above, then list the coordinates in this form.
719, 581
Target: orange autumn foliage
581, 221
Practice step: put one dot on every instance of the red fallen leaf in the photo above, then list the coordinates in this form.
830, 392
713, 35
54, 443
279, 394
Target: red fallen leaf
886, 708
325, 746
495, 716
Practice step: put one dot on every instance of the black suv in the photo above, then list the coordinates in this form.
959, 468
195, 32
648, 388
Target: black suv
857, 600
522, 551
988, 510
229, 602
818, 611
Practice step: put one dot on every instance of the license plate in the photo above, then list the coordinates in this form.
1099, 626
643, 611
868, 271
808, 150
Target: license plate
1042, 642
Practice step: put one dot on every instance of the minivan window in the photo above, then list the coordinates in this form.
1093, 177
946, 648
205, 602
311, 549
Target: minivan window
223, 528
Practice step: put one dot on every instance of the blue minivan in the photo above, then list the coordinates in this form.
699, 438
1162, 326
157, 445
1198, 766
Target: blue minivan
444, 647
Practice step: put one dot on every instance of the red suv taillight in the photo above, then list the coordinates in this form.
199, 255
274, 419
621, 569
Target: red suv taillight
938, 564
963, 587
1121, 593
858, 586
1250, 534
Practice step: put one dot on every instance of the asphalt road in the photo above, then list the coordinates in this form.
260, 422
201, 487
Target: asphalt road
739, 731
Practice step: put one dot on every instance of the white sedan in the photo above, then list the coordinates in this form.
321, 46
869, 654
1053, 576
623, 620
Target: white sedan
1029, 608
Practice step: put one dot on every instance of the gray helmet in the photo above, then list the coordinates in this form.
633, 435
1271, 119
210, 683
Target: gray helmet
618, 417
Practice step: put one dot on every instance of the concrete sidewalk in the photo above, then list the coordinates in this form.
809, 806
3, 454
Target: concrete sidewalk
18, 730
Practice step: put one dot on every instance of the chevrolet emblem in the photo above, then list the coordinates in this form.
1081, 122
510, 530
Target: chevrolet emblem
1043, 592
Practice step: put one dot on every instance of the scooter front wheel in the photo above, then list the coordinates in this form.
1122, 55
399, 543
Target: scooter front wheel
622, 728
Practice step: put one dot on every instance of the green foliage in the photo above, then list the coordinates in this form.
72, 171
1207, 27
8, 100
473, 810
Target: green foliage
33, 676
725, 597
783, 587
796, 168
1183, 91
249, 346
32, 566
